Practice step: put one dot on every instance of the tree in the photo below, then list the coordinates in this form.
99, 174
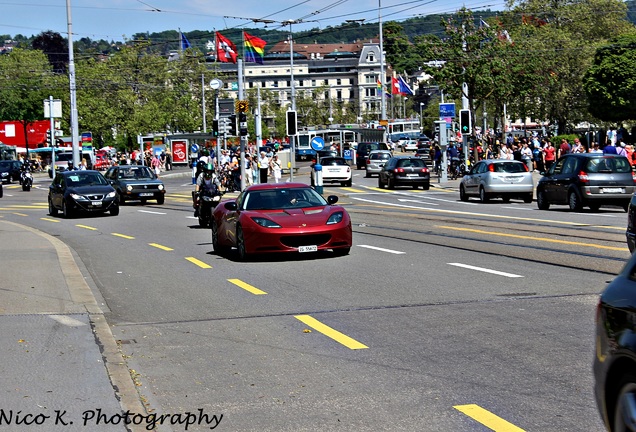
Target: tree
55, 47
610, 83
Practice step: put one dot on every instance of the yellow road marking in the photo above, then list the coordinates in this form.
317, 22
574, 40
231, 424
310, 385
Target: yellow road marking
378, 189
50, 220
545, 239
246, 286
348, 189
123, 236
329, 332
487, 418
158, 246
198, 262
17, 206
20, 214
86, 227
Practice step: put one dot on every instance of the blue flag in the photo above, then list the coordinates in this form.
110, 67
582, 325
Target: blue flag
184, 42
404, 87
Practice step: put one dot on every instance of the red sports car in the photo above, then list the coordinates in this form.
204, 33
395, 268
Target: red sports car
282, 217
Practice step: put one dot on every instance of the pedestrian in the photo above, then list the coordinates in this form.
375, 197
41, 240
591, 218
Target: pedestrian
263, 167
249, 166
549, 155
564, 148
155, 163
526, 156
276, 168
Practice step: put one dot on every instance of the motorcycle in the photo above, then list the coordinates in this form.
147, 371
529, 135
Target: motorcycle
204, 202
26, 180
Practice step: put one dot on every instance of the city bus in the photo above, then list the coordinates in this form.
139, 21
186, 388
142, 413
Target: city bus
335, 137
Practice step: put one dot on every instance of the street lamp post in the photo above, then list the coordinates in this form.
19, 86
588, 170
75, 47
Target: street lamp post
421, 119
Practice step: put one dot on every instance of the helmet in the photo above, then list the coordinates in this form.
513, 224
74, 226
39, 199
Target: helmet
208, 169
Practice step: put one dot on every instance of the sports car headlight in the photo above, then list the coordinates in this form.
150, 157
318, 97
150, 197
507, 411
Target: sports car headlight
267, 223
111, 194
129, 188
335, 218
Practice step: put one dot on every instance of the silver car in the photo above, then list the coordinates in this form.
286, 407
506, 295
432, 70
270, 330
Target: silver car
375, 161
497, 178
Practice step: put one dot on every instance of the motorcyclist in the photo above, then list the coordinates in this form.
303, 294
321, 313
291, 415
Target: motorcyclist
206, 181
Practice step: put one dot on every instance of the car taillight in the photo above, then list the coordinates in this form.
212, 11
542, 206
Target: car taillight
349, 168
584, 177
491, 168
399, 170
634, 176
368, 162
424, 170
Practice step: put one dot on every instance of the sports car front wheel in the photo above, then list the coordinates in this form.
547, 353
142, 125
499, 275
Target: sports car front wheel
240, 244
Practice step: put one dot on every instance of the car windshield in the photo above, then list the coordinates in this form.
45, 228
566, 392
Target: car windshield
5, 164
136, 172
277, 199
608, 164
333, 161
509, 167
407, 163
85, 179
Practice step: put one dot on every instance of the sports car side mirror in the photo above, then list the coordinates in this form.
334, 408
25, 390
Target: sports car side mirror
332, 199
231, 205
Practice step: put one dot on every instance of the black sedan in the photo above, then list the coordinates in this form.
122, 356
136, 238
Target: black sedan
10, 170
615, 353
405, 171
82, 191
136, 182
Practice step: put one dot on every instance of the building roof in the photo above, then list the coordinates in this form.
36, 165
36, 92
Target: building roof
318, 50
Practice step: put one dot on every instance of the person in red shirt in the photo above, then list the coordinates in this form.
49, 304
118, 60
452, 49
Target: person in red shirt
549, 155
564, 148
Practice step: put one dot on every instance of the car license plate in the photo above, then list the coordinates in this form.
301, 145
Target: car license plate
612, 190
146, 194
307, 248
412, 175
96, 203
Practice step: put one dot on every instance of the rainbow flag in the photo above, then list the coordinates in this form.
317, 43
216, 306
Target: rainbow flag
254, 48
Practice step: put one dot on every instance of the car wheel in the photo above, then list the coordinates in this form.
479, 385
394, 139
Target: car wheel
52, 209
240, 244
114, 210
483, 197
143, 201
1, 192
426, 186
528, 198
574, 202
65, 210
542, 202
462, 193
349, 183
505, 199
389, 183
218, 248
622, 417
161, 199
26, 188
596, 207
121, 198
626, 207
367, 175
380, 184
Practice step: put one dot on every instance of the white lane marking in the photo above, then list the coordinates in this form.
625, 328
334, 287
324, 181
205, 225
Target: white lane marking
415, 201
151, 212
67, 321
382, 249
485, 270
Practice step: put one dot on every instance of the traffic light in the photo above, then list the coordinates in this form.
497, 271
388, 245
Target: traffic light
49, 137
292, 120
242, 126
233, 128
465, 126
215, 128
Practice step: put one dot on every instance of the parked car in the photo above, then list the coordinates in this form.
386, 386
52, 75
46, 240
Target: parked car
136, 182
10, 170
631, 225
497, 178
334, 170
364, 148
405, 171
81, 191
615, 354
259, 222
587, 179
375, 161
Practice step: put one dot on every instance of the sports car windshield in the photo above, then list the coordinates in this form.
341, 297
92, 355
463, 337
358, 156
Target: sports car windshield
278, 199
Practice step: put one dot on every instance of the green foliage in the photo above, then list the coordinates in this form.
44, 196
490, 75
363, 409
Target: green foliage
610, 83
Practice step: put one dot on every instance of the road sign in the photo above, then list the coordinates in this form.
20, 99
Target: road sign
317, 143
216, 84
194, 148
241, 106
447, 110
347, 154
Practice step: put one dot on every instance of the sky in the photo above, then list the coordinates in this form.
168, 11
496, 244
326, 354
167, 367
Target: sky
118, 20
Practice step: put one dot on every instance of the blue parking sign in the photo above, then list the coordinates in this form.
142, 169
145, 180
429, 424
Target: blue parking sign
347, 154
447, 110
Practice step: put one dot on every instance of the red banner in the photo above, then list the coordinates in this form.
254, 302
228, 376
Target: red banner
179, 152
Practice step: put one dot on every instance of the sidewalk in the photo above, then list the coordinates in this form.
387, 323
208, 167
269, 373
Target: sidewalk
60, 362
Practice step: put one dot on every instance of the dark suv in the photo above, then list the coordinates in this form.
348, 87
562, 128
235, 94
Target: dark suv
10, 170
364, 148
587, 179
